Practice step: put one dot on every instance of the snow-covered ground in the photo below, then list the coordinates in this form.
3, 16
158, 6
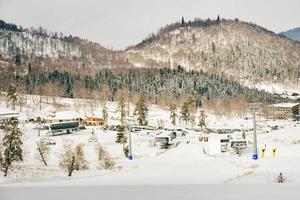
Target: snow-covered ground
284, 90
187, 164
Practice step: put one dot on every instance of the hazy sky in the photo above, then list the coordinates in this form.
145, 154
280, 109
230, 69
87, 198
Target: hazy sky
120, 23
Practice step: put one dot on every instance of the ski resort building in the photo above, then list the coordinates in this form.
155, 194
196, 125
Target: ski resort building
283, 111
62, 127
94, 121
65, 116
7, 114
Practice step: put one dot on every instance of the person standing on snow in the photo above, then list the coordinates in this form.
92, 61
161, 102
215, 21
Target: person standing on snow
280, 178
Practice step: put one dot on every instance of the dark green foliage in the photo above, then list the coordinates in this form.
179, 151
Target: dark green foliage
121, 139
12, 95
202, 119
18, 59
11, 150
10, 27
185, 113
182, 22
141, 110
121, 109
126, 151
173, 114
173, 82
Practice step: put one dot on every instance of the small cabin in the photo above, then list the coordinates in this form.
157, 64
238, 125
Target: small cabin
94, 121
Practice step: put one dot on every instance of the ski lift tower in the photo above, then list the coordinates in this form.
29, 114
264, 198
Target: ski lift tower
254, 108
129, 144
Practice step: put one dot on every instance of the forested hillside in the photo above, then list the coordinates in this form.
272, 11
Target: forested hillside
215, 58
158, 84
293, 34
237, 49
52, 50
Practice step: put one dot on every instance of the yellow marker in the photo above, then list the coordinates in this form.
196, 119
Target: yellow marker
263, 153
274, 151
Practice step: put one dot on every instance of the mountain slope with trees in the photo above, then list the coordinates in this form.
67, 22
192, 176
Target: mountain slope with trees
237, 49
292, 34
207, 57
40, 47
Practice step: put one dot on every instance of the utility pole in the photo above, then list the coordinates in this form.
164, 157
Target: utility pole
254, 155
129, 145
254, 107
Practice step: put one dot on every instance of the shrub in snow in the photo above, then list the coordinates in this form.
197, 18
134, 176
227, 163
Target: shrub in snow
42, 151
73, 158
106, 161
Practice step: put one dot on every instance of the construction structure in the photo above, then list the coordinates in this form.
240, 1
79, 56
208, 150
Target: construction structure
283, 111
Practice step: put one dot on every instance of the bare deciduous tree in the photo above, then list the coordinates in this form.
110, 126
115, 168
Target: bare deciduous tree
72, 158
105, 158
43, 151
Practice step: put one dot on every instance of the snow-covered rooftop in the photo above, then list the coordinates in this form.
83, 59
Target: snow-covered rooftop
7, 111
65, 115
284, 105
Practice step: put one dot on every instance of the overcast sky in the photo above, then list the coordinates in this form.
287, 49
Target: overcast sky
120, 23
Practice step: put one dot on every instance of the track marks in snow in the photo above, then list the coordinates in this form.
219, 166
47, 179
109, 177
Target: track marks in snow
250, 170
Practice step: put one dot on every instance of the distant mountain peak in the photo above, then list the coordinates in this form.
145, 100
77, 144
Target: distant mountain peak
292, 34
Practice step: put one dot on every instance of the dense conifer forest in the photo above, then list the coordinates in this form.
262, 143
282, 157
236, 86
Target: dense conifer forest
154, 82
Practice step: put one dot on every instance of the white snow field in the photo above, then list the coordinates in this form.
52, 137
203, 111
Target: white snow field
187, 171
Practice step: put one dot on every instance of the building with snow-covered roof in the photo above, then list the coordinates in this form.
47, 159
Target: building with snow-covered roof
65, 116
7, 114
94, 121
283, 110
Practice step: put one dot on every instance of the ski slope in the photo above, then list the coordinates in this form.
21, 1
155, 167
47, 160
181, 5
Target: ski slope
185, 166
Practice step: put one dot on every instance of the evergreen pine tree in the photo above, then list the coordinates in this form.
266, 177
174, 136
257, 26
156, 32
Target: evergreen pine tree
18, 59
173, 114
121, 139
121, 109
202, 119
12, 95
185, 115
141, 110
182, 22
11, 146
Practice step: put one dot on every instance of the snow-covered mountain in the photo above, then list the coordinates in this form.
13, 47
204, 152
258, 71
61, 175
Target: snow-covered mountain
293, 34
239, 50
234, 48
37, 46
